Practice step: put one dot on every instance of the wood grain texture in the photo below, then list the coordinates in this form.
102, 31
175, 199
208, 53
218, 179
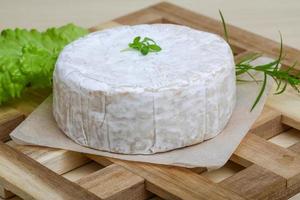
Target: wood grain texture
288, 104
9, 120
281, 161
288, 191
295, 147
255, 182
294, 189
115, 182
144, 16
31, 180
5, 194
82, 171
57, 160
268, 124
286, 138
228, 170
173, 182
290, 121
109, 183
156, 198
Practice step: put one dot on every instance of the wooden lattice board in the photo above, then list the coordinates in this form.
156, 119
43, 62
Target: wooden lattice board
259, 168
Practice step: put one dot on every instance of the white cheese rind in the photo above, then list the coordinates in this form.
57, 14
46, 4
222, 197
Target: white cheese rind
124, 102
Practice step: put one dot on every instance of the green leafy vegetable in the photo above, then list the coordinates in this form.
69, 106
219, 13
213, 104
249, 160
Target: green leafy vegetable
144, 46
27, 57
281, 77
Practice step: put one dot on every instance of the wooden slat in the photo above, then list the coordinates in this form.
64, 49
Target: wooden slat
255, 182
144, 16
102, 26
239, 57
294, 189
290, 190
82, 171
115, 182
288, 104
281, 161
9, 119
59, 161
269, 124
15, 198
31, 180
286, 138
5, 194
156, 198
218, 175
290, 121
173, 182
295, 147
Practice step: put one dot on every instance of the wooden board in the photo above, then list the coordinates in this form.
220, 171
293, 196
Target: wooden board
260, 168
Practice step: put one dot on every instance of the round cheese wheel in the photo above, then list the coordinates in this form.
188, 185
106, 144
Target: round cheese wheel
125, 102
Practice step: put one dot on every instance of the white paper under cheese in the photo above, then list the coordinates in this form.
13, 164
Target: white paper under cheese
125, 102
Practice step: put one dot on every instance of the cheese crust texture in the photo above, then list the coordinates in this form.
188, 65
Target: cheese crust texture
124, 102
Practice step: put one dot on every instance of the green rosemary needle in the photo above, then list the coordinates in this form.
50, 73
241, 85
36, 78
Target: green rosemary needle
282, 78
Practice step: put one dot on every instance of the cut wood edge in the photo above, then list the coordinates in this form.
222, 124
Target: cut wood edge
269, 124
59, 161
115, 182
255, 182
291, 190
5, 194
295, 123
9, 120
173, 182
288, 103
31, 180
279, 160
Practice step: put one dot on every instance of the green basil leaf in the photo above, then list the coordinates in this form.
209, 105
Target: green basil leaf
145, 50
137, 39
155, 47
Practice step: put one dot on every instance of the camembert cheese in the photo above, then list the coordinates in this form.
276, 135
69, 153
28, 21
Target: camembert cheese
125, 102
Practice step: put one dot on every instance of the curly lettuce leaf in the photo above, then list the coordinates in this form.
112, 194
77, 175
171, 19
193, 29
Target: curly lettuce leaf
27, 57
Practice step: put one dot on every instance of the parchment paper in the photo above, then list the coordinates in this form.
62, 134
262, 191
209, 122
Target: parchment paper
40, 129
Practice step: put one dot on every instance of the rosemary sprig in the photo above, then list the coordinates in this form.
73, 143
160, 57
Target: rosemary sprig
144, 46
282, 78
224, 27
